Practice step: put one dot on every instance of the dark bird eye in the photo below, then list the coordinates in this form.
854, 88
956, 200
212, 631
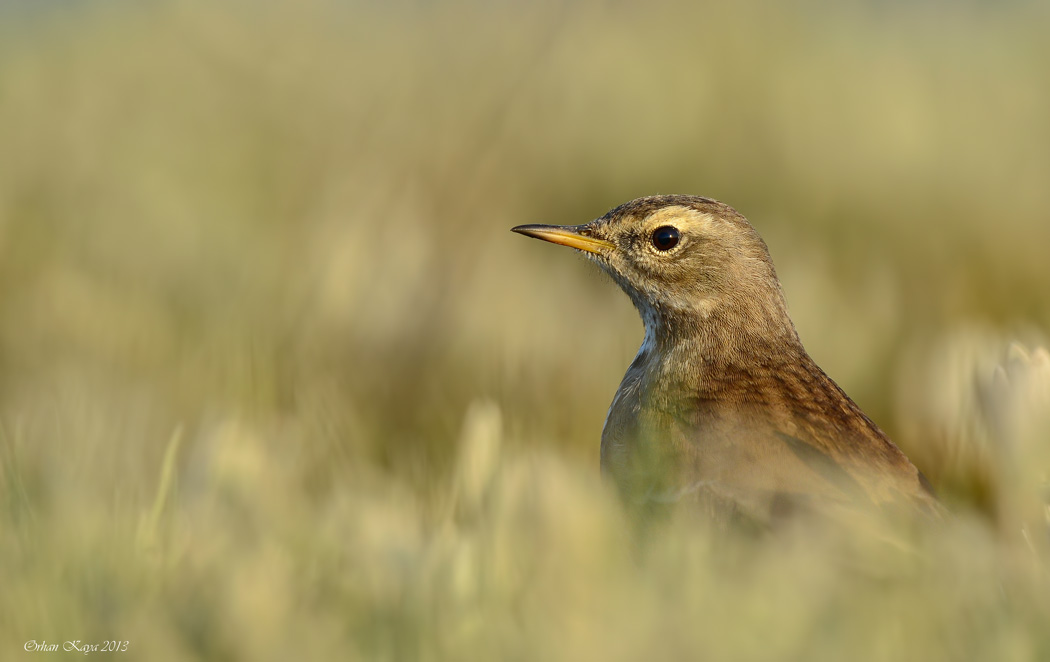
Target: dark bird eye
665, 238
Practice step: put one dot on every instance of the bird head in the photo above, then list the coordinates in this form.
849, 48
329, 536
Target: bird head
683, 260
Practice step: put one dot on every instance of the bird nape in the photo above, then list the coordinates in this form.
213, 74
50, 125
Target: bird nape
722, 408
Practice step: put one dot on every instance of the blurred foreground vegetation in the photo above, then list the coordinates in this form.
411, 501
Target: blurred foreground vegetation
277, 383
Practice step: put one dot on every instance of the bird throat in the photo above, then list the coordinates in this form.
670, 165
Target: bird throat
682, 348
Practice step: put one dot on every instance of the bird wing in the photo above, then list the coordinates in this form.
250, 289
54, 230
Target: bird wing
756, 461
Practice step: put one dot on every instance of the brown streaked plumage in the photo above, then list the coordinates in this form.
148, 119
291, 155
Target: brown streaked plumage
722, 405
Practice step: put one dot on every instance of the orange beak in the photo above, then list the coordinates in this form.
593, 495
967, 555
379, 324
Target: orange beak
566, 235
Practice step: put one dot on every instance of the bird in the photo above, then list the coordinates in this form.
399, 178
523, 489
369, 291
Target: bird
722, 407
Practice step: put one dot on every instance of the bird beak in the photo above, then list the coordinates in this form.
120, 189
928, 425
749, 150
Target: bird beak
567, 235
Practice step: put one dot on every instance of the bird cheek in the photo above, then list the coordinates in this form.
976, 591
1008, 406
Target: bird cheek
616, 266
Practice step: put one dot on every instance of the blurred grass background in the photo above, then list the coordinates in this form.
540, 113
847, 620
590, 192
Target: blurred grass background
262, 249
